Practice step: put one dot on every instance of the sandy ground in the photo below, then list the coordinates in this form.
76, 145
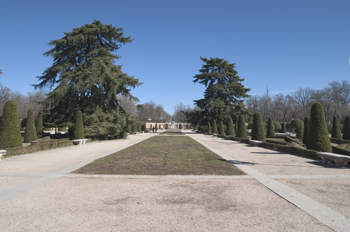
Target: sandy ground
167, 203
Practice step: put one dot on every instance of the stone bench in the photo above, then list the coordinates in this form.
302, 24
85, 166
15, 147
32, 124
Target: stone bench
2, 152
79, 141
255, 142
339, 160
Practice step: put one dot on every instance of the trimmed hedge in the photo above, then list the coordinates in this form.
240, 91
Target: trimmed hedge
10, 134
293, 150
78, 132
258, 132
346, 128
221, 129
209, 128
270, 129
214, 128
299, 128
39, 126
306, 129
229, 128
284, 129
241, 129
336, 132
30, 131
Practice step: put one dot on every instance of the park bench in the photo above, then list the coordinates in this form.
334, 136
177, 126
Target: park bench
255, 142
339, 160
79, 141
2, 152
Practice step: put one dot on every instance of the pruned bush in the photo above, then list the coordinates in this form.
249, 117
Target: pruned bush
346, 128
214, 128
241, 129
78, 132
298, 125
270, 129
10, 134
39, 126
166, 126
30, 131
284, 128
139, 128
318, 138
221, 129
229, 128
277, 126
209, 128
306, 129
258, 132
336, 133
134, 129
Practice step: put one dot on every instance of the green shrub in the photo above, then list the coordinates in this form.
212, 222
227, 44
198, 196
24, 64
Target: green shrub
30, 131
78, 132
209, 128
10, 134
299, 128
166, 126
318, 138
284, 129
346, 128
277, 126
180, 126
134, 129
288, 126
241, 129
129, 129
139, 128
214, 128
150, 126
306, 129
156, 126
258, 132
39, 126
229, 128
221, 129
336, 133
270, 129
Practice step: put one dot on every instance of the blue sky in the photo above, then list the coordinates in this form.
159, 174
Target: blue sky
282, 44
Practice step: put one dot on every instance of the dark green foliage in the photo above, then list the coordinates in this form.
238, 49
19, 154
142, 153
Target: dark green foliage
241, 129
150, 126
288, 126
134, 129
346, 128
221, 128
10, 135
180, 126
30, 131
277, 126
83, 76
229, 128
39, 126
214, 128
129, 129
306, 129
139, 128
166, 126
270, 129
209, 128
318, 138
284, 129
156, 126
258, 132
336, 133
78, 126
299, 128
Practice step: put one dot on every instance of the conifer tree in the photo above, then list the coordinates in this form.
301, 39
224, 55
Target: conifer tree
10, 134
346, 128
299, 128
30, 131
229, 128
221, 129
241, 129
336, 132
209, 128
139, 128
270, 128
258, 132
318, 137
156, 126
134, 129
83, 76
214, 129
78, 132
129, 129
306, 129
284, 129
39, 125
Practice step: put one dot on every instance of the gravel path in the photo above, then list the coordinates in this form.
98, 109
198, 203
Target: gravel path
71, 202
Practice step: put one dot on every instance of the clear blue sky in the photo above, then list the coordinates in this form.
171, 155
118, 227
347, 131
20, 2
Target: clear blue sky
282, 44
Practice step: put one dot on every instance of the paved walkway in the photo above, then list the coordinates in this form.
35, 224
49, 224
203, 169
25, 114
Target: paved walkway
281, 192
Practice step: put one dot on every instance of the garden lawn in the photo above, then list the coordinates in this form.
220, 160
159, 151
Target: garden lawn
162, 155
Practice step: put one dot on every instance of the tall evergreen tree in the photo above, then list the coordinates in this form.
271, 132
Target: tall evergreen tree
258, 132
241, 129
10, 134
346, 128
306, 129
39, 125
214, 129
284, 129
83, 76
336, 132
270, 128
78, 132
30, 131
221, 128
224, 92
229, 128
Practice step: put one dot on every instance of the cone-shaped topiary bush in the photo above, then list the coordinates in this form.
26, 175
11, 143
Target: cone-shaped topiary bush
270, 129
306, 129
209, 128
10, 134
30, 131
284, 129
241, 129
129, 129
336, 132
299, 128
346, 128
180, 126
229, 127
39, 125
156, 126
166, 126
221, 129
318, 138
139, 128
277, 126
258, 132
134, 129
78, 132
214, 128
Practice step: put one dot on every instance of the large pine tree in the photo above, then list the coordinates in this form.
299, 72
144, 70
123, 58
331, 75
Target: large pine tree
84, 77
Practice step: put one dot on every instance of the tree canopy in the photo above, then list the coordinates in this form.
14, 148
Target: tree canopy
84, 77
